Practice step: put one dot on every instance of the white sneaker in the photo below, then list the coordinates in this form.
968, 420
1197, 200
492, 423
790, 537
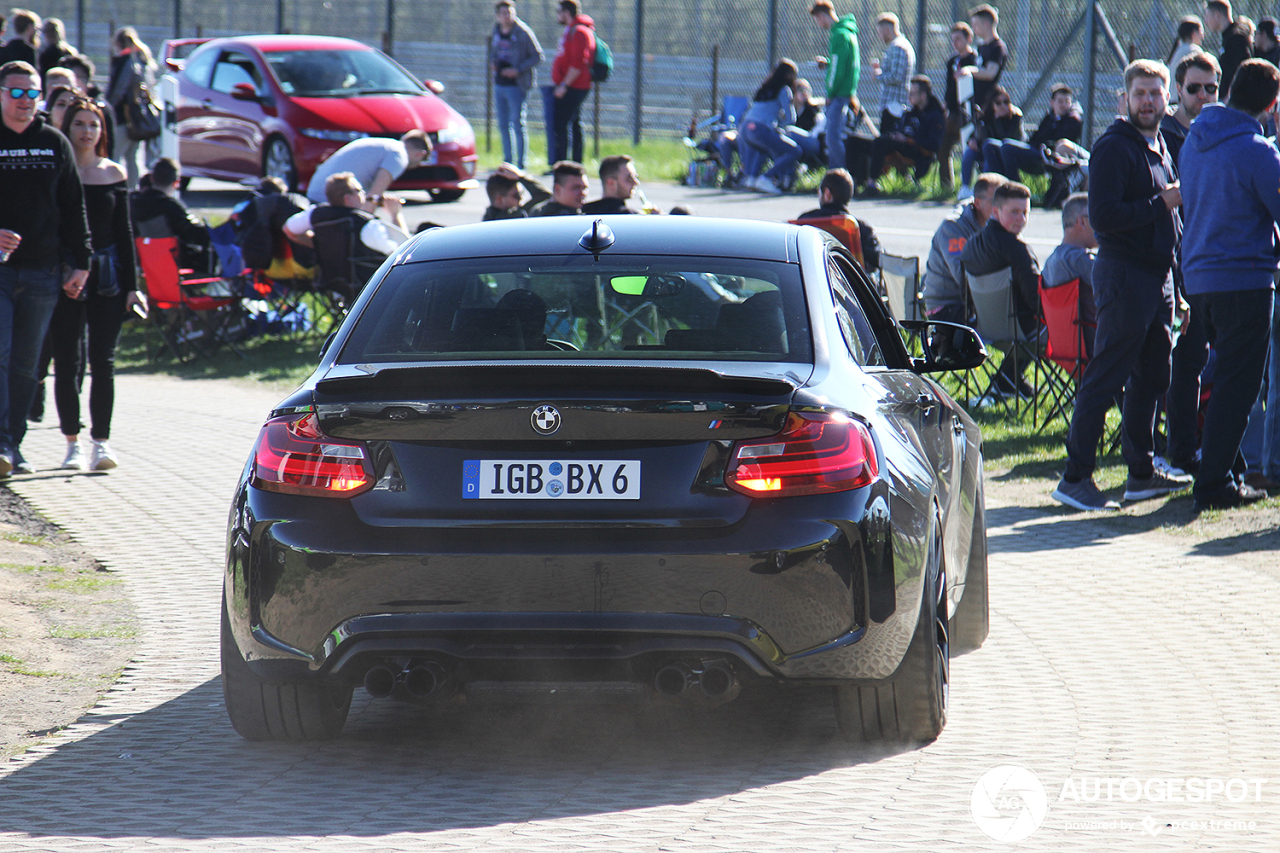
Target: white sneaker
965, 194
74, 460
766, 185
102, 459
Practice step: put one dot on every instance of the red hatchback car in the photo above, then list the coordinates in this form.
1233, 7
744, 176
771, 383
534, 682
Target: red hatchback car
281, 104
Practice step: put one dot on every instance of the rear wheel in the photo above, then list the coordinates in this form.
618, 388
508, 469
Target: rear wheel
445, 196
911, 705
277, 162
262, 710
973, 621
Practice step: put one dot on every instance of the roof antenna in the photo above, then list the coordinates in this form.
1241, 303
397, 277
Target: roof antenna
599, 238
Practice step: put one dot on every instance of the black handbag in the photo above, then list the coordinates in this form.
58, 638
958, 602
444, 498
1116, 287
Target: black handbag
141, 115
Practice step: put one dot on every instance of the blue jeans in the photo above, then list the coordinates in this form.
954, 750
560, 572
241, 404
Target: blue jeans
27, 300
772, 141
1009, 156
968, 160
511, 122
809, 143
836, 110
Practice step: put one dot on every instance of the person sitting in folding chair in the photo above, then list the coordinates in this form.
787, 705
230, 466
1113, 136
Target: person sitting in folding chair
1073, 259
159, 212
834, 195
346, 200
997, 247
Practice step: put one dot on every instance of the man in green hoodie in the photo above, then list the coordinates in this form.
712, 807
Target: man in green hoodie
842, 74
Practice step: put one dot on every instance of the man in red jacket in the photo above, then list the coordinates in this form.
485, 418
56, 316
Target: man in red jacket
571, 76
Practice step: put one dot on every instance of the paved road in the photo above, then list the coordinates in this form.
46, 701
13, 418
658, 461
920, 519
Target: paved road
1111, 657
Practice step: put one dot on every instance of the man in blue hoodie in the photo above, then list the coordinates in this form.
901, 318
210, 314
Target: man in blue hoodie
1231, 192
1133, 201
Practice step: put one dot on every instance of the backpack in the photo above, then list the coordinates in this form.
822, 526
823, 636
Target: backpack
602, 62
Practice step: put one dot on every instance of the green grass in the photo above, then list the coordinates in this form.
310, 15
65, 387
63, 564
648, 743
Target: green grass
25, 539
656, 159
68, 632
84, 583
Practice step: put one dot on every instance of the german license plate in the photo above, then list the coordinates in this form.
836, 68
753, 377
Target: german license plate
553, 479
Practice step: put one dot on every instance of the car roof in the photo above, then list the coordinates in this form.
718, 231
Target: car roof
269, 43
633, 235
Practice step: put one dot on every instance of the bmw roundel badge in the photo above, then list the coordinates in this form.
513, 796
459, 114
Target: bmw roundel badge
545, 420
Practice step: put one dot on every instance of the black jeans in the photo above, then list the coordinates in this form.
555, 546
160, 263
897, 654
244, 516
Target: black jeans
1182, 405
1131, 352
920, 159
103, 316
1238, 325
567, 117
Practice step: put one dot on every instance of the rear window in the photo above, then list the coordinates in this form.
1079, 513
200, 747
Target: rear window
580, 309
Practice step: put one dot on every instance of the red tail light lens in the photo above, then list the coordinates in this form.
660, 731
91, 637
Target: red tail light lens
814, 453
293, 457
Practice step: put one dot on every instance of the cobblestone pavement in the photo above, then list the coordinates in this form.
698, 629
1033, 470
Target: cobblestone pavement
1111, 657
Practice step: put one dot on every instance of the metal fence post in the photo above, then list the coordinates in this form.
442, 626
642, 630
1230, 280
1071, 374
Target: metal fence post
715, 78
638, 96
773, 32
279, 16
80, 25
391, 27
922, 12
1090, 55
177, 19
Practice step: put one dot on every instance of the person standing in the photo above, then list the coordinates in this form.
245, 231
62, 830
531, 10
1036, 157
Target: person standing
992, 53
1231, 197
131, 68
571, 76
843, 69
56, 48
1190, 36
1237, 43
1133, 201
957, 114
894, 71
1196, 82
514, 53
25, 27
101, 307
42, 217
1266, 41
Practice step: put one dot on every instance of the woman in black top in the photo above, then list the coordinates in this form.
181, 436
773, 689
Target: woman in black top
101, 305
1000, 120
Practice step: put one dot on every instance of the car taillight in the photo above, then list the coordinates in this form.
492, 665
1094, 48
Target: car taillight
294, 457
814, 453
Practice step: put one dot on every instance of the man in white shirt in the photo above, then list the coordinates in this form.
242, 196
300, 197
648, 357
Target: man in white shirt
375, 161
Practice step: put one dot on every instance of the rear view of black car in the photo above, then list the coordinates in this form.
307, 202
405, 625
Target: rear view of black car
688, 456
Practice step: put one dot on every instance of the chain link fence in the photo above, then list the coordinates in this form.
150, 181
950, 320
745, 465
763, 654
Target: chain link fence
692, 53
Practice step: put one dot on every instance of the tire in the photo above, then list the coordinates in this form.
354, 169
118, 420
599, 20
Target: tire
910, 706
446, 196
277, 162
261, 710
972, 621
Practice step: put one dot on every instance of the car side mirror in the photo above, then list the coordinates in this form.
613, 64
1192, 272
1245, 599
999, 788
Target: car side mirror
435, 87
945, 346
173, 63
244, 92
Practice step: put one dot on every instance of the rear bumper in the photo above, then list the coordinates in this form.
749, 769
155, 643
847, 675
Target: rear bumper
329, 595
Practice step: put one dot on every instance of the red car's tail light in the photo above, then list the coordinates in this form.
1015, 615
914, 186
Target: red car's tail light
294, 457
813, 454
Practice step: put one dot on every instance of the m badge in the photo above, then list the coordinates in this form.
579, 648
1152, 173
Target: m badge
545, 420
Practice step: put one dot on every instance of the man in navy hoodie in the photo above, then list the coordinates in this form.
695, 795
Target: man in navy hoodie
1231, 185
1133, 201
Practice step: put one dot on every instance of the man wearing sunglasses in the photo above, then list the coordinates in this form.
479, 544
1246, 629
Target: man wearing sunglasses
1197, 78
42, 222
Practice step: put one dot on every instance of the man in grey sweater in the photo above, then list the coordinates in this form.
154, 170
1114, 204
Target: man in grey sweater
943, 273
514, 53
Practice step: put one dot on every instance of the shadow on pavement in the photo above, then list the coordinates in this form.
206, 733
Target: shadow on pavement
179, 770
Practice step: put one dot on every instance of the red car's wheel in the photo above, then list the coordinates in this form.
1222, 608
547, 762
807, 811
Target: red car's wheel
277, 162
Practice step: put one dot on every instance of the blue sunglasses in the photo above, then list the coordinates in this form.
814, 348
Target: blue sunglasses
33, 94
